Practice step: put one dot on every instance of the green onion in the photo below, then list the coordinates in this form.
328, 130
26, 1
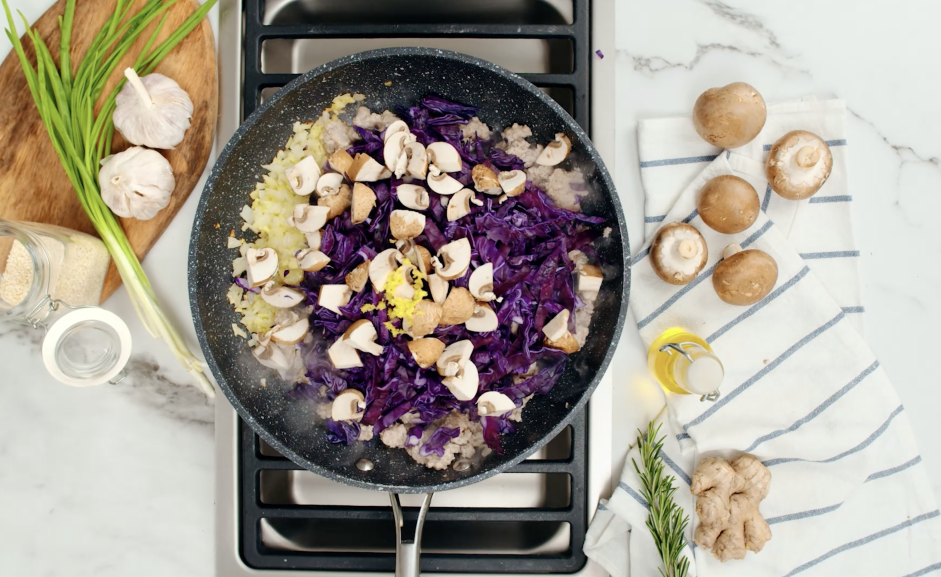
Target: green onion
66, 104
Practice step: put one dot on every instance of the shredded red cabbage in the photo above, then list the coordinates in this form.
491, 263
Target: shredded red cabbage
436, 442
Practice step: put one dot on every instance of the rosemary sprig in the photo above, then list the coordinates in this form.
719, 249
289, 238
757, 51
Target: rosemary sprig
666, 521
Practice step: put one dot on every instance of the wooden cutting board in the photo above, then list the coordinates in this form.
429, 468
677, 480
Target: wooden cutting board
33, 185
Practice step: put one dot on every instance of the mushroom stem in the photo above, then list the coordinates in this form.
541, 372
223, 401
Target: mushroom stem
135, 81
731, 250
807, 156
485, 408
687, 248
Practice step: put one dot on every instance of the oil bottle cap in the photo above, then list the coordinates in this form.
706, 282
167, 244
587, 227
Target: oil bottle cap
704, 374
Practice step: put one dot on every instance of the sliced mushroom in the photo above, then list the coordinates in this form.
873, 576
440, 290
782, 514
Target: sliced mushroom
334, 296
798, 165
730, 116
444, 156
494, 404
415, 253
309, 218
555, 152
453, 357
567, 344
438, 288
340, 161
465, 383
395, 147
310, 260
589, 279
444, 184
513, 182
366, 169
426, 352
453, 259
343, 356
485, 180
728, 204
417, 160
678, 253
459, 204
291, 334
745, 276
394, 128
425, 320
556, 328
302, 177
406, 290
484, 320
314, 239
481, 283
413, 196
274, 356
262, 265
329, 184
281, 297
405, 224
356, 278
382, 266
458, 307
336, 203
424, 259
349, 405
364, 199
361, 335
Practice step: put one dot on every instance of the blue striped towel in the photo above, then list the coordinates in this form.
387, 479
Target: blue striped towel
802, 392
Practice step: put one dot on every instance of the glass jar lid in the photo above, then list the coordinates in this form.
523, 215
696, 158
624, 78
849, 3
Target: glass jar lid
87, 346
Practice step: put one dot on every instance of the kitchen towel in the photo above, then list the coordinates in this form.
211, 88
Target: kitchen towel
802, 392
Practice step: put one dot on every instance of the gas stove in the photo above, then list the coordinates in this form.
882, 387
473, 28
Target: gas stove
273, 518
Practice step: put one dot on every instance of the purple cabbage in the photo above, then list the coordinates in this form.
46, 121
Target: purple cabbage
435, 444
345, 432
442, 106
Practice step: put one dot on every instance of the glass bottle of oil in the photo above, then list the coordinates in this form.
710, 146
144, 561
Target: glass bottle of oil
684, 363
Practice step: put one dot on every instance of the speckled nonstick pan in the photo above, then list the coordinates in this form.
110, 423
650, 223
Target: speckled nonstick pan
290, 426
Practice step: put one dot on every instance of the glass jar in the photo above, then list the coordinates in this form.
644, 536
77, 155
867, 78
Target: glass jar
51, 279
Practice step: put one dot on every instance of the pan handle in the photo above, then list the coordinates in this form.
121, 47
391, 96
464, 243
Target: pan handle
408, 553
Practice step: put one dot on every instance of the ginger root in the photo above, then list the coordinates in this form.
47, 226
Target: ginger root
729, 494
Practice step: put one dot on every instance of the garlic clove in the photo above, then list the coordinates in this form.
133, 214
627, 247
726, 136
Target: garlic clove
152, 111
136, 183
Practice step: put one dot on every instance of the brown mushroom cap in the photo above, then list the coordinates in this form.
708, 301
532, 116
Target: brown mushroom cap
337, 203
745, 277
728, 204
730, 116
798, 165
458, 307
356, 278
426, 318
426, 351
678, 253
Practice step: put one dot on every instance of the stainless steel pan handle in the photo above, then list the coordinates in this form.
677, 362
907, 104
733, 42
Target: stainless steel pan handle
408, 553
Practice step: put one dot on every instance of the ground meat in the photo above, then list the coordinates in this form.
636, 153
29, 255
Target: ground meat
368, 119
338, 134
579, 258
516, 144
324, 410
465, 444
583, 317
558, 184
517, 414
394, 436
475, 128
365, 433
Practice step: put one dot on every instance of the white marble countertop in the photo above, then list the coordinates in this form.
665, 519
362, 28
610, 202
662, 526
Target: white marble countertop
119, 480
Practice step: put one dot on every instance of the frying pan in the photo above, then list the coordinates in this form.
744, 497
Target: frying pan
391, 78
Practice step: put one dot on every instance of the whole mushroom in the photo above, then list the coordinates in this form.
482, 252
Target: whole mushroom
798, 165
744, 277
730, 116
728, 204
678, 253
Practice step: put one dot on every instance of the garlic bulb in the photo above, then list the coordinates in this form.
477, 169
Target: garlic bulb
136, 183
152, 111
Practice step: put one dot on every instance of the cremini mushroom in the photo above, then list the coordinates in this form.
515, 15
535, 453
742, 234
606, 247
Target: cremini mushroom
494, 404
425, 320
356, 278
481, 283
303, 176
308, 218
465, 383
310, 260
343, 356
273, 355
417, 254
394, 149
340, 161
336, 203
262, 265
361, 335
556, 328
279, 296
364, 200
405, 224
555, 152
426, 352
459, 204
730, 116
513, 182
443, 156
329, 183
366, 169
728, 204
348, 406
483, 320
453, 259
314, 239
798, 165
382, 266
394, 128
413, 196
453, 357
416, 165
438, 288
678, 253
444, 184
567, 344
745, 277
485, 180
334, 296
589, 279
290, 333
458, 307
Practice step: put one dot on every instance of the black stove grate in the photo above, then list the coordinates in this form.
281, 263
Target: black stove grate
571, 91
